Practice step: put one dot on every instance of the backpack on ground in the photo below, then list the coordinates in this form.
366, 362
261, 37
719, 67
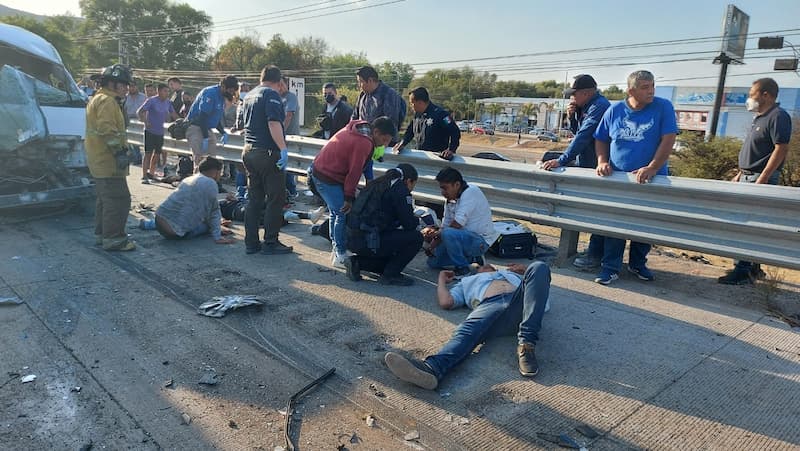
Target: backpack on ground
185, 166
515, 240
177, 130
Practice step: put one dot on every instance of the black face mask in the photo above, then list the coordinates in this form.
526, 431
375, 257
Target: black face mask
330, 98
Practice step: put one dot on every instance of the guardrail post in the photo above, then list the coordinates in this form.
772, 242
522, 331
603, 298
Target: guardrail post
567, 246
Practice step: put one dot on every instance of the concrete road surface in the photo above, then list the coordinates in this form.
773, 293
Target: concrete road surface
680, 363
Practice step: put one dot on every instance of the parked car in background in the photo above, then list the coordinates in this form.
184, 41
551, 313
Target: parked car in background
535, 131
463, 126
482, 130
491, 156
547, 136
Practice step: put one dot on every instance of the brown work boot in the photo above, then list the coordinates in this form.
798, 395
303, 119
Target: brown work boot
527, 360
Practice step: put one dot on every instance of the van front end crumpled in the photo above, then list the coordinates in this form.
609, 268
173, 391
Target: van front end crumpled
218, 306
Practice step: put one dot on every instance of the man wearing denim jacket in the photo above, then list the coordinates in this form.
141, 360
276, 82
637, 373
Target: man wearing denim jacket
502, 303
585, 109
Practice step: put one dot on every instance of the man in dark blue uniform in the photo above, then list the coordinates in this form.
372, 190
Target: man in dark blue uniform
265, 156
433, 127
384, 240
585, 109
762, 156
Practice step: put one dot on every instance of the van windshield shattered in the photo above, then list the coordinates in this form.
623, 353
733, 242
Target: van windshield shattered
52, 84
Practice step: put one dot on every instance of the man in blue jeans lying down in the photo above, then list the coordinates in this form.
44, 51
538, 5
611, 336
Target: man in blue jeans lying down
504, 302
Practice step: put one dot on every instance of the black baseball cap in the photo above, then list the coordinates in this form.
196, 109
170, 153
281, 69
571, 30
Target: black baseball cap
582, 81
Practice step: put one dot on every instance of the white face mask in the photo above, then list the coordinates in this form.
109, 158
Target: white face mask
751, 105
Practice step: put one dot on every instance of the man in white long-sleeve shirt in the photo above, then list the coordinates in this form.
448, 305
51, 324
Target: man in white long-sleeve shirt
467, 231
193, 209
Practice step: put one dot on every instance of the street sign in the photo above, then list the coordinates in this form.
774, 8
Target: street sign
734, 33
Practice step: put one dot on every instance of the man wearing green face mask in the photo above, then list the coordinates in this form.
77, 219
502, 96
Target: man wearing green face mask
338, 167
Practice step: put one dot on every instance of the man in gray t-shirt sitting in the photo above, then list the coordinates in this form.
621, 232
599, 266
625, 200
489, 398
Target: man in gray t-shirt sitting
193, 210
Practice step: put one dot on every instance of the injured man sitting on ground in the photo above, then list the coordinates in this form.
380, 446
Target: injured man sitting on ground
503, 302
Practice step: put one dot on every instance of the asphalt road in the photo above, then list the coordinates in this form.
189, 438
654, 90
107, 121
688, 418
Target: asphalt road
680, 363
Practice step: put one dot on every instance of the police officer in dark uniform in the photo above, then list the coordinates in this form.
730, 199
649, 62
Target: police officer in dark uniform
398, 238
433, 127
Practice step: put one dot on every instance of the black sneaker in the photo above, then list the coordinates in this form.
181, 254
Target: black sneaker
399, 279
412, 371
734, 277
253, 250
527, 360
276, 248
352, 268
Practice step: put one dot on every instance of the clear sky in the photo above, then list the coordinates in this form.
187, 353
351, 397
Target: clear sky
432, 31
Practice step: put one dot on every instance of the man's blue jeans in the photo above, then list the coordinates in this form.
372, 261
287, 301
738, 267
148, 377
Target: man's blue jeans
519, 312
333, 195
457, 248
291, 183
742, 265
614, 249
596, 246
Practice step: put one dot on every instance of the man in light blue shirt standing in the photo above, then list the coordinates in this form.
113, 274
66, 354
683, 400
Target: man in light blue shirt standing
502, 303
634, 136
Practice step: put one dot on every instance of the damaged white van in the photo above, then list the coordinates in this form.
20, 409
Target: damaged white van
42, 125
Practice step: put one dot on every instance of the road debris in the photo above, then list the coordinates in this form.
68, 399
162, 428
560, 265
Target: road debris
355, 438
11, 301
587, 431
219, 305
376, 392
413, 435
209, 378
232, 424
290, 406
370, 420
185, 418
76, 389
169, 383
28, 378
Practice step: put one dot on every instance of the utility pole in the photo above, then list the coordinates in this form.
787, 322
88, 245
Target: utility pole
723, 60
119, 35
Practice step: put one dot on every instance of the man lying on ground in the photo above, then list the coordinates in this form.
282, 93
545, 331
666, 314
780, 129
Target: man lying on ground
502, 303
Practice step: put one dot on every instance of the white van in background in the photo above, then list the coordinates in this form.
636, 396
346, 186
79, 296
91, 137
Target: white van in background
42, 125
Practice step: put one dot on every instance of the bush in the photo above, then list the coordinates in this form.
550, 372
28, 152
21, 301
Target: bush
698, 158
791, 168
719, 159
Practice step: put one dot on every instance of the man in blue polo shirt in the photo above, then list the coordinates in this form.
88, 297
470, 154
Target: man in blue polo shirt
206, 113
265, 156
634, 136
762, 156
585, 109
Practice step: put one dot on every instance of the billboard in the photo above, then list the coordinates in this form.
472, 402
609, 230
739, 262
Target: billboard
734, 33
692, 120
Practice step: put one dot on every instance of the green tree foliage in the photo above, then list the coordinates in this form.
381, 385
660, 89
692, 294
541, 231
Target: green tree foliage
717, 159
494, 109
168, 50
396, 75
56, 30
613, 92
239, 54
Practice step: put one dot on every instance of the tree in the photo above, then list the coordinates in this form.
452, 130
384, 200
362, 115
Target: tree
526, 111
494, 109
396, 75
240, 53
791, 168
56, 30
181, 41
614, 93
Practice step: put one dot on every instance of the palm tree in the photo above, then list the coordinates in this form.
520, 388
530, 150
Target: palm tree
526, 111
494, 109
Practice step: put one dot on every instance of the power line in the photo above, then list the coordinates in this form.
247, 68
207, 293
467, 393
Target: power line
193, 30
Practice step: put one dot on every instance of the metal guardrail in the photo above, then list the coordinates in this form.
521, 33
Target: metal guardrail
760, 223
